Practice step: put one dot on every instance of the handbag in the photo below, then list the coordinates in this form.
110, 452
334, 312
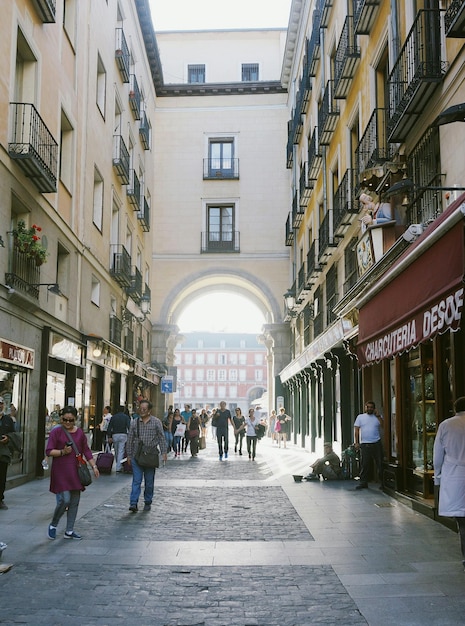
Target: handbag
202, 443
193, 434
84, 474
146, 455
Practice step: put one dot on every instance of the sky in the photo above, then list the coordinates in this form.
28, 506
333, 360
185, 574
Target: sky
238, 315
207, 14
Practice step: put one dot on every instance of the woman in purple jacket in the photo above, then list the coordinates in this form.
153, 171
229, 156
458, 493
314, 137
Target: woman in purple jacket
64, 479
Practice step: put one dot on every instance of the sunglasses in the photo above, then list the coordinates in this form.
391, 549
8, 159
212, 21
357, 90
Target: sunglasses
64, 419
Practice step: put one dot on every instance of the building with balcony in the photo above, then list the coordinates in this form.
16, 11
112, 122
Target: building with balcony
212, 367
371, 314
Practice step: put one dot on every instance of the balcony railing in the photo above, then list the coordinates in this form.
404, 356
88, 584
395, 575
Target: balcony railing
346, 60
144, 130
345, 207
295, 126
326, 238
306, 185
122, 55
129, 341
290, 146
135, 288
120, 265
221, 169
289, 231
314, 157
140, 349
121, 159
365, 15
326, 6
24, 274
303, 97
328, 114
313, 267
133, 190
46, 10
135, 97
454, 19
297, 211
33, 146
116, 329
217, 241
144, 215
314, 47
302, 286
372, 149
415, 75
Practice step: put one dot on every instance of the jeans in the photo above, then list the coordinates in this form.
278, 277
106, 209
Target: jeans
66, 500
148, 474
239, 437
251, 445
169, 440
177, 444
119, 443
222, 438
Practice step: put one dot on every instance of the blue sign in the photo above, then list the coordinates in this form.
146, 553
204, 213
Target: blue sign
167, 384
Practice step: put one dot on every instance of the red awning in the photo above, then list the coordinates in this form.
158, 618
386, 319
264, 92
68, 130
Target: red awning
426, 299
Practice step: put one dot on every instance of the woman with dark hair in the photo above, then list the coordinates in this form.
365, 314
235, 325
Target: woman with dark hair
64, 479
239, 430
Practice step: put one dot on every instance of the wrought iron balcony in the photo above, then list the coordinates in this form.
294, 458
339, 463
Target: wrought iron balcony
144, 130
144, 215
365, 15
289, 231
345, 206
296, 127
314, 47
24, 274
454, 19
326, 238
306, 186
135, 97
297, 211
121, 159
326, 6
129, 341
290, 146
328, 114
120, 265
220, 241
116, 329
314, 157
140, 349
135, 288
133, 190
122, 55
313, 267
415, 75
303, 97
346, 60
33, 146
303, 287
46, 10
221, 169
373, 149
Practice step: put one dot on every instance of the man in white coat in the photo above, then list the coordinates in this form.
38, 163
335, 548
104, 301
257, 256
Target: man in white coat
449, 468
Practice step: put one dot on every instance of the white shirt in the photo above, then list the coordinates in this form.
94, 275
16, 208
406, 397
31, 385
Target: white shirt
370, 427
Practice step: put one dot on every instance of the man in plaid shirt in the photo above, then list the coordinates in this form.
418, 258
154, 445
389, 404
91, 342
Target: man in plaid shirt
148, 429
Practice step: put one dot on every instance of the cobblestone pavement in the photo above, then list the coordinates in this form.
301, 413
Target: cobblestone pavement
234, 543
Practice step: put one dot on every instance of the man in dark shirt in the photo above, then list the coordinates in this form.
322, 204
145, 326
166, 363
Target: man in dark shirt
117, 432
6, 426
223, 419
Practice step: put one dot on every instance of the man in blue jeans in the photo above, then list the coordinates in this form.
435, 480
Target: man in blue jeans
149, 430
118, 434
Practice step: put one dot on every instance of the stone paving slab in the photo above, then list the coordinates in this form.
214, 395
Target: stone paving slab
208, 466
210, 513
176, 596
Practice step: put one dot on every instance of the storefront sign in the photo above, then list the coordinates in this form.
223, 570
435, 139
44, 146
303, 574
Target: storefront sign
424, 300
19, 355
440, 317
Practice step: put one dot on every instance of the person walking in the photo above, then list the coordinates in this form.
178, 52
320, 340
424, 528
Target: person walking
104, 424
284, 427
449, 468
239, 430
7, 426
167, 428
64, 479
223, 419
186, 414
367, 438
251, 424
149, 430
204, 417
177, 421
271, 425
193, 428
117, 432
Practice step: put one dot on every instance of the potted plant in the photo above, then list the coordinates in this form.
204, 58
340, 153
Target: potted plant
27, 241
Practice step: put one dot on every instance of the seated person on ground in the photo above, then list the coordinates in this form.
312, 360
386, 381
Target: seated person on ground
329, 466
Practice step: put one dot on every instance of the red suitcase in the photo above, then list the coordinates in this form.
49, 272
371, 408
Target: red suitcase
104, 461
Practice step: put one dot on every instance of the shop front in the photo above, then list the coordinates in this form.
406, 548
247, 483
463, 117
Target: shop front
410, 345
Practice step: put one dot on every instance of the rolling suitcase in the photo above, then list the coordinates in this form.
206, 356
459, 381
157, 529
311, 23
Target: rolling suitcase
104, 461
